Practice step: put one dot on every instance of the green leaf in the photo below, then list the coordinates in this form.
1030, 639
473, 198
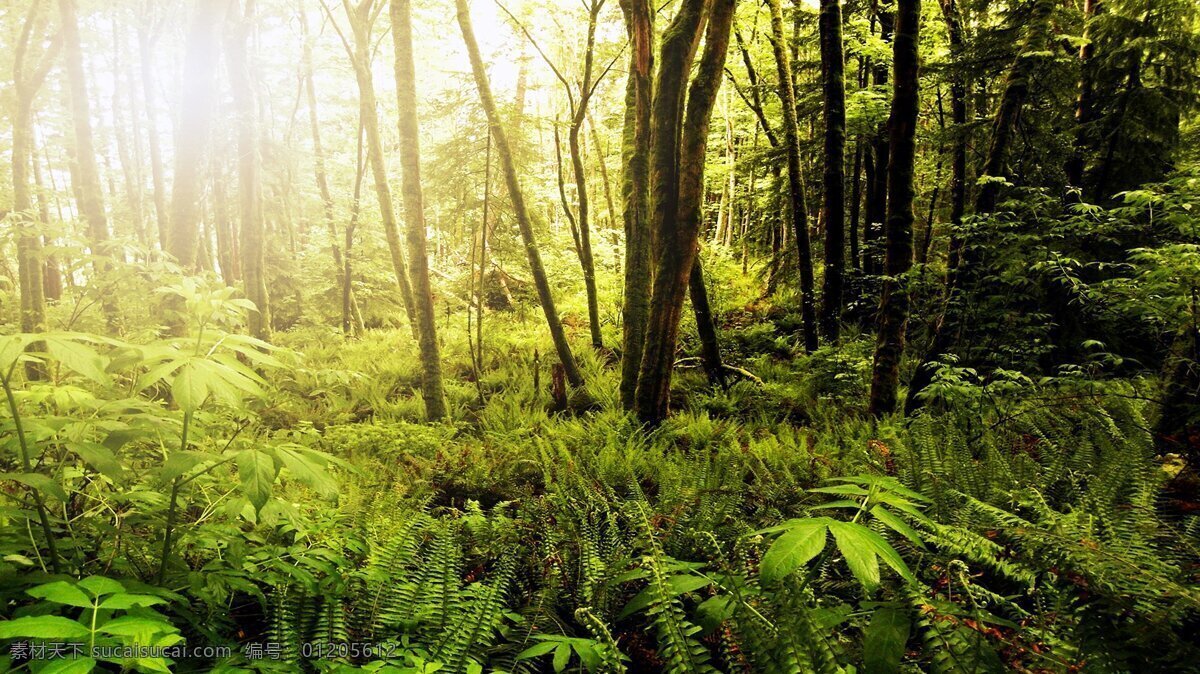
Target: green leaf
12, 347
138, 627
78, 357
562, 655
128, 601
898, 525
99, 457
884, 640
61, 592
537, 650
42, 483
100, 586
794, 549
677, 585
306, 468
69, 666
257, 471
189, 388
860, 556
42, 627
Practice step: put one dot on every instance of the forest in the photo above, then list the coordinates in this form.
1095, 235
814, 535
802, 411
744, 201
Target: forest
604, 336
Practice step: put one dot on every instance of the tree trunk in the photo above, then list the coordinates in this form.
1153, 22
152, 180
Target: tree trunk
834, 207
91, 194
959, 94
52, 281
799, 209
855, 204
877, 187
1012, 101
524, 221
195, 119
414, 209
680, 227
635, 153
902, 128
250, 207
1084, 103
706, 327
146, 39
361, 19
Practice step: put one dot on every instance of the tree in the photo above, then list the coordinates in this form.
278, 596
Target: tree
902, 132
29, 73
89, 193
362, 17
517, 196
198, 91
414, 209
250, 206
635, 153
876, 210
834, 204
679, 140
795, 171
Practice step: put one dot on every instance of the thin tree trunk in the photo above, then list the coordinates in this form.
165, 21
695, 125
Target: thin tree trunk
602, 164
856, 204
414, 209
249, 174
517, 197
799, 209
834, 205
1084, 103
52, 282
146, 39
349, 307
959, 95
706, 327
91, 194
902, 129
195, 120
877, 188
635, 153
680, 226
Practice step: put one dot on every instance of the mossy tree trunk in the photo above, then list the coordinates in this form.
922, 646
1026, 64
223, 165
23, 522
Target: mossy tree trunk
876, 210
635, 153
414, 209
795, 175
517, 197
902, 131
834, 175
677, 183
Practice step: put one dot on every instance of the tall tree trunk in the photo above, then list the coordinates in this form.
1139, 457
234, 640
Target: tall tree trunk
91, 194
52, 281
902, 130
250, 206
635, 183
362, 18
680, 227
602, 164
706, 327
517, 197
1008, 112
799, 207
1084, 101
834, 206
855, 204
959, 94
199, 88
146, 39
414, 209
877, 188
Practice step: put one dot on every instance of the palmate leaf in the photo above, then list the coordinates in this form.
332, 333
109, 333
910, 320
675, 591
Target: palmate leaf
795, 548
862, 549
61, 592
12, 348
307, 466
189, 388
257, 471
884, 640
78, 357
678, 584
42, 483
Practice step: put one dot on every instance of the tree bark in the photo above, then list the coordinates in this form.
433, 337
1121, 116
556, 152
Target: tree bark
199, 87
635, 153
91, 194
834, 206
146, 39
516, 195
683, 165
959, 94
877, 187
706, 327
799, 207
250, 206
1084, 101
902, 128
414, 209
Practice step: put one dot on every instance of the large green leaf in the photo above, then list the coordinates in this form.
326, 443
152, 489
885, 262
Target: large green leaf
99, 457
677, 585
306, 466
69, 666
189, 388
43, 627
257, 471
77, 357
884, 640
41, 483
61, 592
853, 543
794, 549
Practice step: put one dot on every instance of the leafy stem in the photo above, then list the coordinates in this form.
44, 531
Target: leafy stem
27, 464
